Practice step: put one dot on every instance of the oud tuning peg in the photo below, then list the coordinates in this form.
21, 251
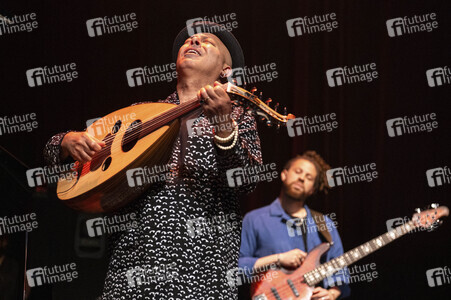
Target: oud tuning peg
268, 101
418, 210
260, 95
434, 205
253, 90
285, 112
276, 107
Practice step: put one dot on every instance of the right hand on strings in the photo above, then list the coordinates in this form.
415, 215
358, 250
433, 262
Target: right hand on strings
81, 146
292, 259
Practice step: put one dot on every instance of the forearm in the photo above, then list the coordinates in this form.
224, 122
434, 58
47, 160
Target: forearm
53, 152
266, 261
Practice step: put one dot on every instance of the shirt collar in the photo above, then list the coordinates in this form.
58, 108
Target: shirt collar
276, 210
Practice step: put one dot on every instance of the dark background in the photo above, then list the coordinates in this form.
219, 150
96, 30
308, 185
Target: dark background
361, 108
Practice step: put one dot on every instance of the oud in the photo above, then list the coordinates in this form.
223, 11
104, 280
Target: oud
101, 184
299, 284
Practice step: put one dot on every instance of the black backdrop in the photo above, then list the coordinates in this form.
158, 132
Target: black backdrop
362, 109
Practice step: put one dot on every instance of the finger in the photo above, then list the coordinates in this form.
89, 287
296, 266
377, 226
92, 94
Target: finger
219, 90
211, 92
82, 156
204, 94
316, 290
99, 142
87, 149
94, 144
300, 260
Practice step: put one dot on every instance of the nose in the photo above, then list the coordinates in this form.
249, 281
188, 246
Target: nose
195, 41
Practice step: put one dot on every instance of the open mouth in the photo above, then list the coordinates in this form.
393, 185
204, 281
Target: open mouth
191, 51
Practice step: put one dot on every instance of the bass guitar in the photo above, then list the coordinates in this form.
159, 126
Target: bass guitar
282, 284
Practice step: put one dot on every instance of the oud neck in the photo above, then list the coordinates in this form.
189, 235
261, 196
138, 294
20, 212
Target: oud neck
169, 116
329, 268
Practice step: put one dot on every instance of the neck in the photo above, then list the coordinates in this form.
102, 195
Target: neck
293, 207
187, 88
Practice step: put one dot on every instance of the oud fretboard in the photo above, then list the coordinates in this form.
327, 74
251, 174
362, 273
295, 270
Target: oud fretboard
329, 268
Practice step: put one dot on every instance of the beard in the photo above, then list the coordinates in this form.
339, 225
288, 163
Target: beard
294, 193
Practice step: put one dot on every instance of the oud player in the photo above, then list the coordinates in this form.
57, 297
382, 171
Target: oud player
171, 263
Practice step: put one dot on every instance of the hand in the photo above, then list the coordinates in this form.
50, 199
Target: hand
292, 259
322, 294
81, 146
217, 108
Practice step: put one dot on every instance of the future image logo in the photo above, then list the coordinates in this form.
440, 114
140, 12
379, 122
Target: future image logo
349, 75
226, 22
148, 75
438, 276
309, 25
438, 76
408, 25
109, 25
414, 124
309, 125
49, 75
356, 173
438, 176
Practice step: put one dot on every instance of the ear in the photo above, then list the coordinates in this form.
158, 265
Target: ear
283, 175
226, 71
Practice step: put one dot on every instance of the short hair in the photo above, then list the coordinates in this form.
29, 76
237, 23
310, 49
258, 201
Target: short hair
321, 184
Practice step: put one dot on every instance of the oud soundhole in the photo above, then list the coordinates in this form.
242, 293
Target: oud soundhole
116, 127
106, 163
131, 136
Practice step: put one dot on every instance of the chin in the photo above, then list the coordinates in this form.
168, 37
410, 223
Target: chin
295, 195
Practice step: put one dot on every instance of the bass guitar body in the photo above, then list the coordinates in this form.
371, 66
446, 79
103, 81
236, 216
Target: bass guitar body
285, 284
134, 137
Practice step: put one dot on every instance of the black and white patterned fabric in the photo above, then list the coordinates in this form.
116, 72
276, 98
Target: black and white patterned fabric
177, 262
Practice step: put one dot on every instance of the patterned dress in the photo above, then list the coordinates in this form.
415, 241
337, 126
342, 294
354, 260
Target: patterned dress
187, 239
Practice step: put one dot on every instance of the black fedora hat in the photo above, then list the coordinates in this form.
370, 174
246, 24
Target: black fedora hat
226, 37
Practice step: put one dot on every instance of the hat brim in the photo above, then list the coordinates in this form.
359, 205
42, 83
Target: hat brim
226, 37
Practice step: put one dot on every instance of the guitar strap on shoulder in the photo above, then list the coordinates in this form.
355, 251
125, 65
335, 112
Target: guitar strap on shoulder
320, 222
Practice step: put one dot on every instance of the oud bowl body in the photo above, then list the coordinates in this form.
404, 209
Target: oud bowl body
101, 184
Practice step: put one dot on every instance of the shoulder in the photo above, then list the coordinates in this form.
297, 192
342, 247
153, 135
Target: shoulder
257, 213
329, 219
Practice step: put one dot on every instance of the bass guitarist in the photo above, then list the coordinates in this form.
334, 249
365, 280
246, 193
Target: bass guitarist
285, 231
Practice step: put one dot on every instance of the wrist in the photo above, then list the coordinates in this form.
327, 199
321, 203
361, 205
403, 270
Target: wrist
225, 129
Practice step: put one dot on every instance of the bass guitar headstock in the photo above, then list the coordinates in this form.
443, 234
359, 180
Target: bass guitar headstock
262, 109
430, 219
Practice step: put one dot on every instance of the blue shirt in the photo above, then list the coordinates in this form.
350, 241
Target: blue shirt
265, 232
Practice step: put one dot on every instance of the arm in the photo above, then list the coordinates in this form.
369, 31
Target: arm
291, 259
81, 146
246, 152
